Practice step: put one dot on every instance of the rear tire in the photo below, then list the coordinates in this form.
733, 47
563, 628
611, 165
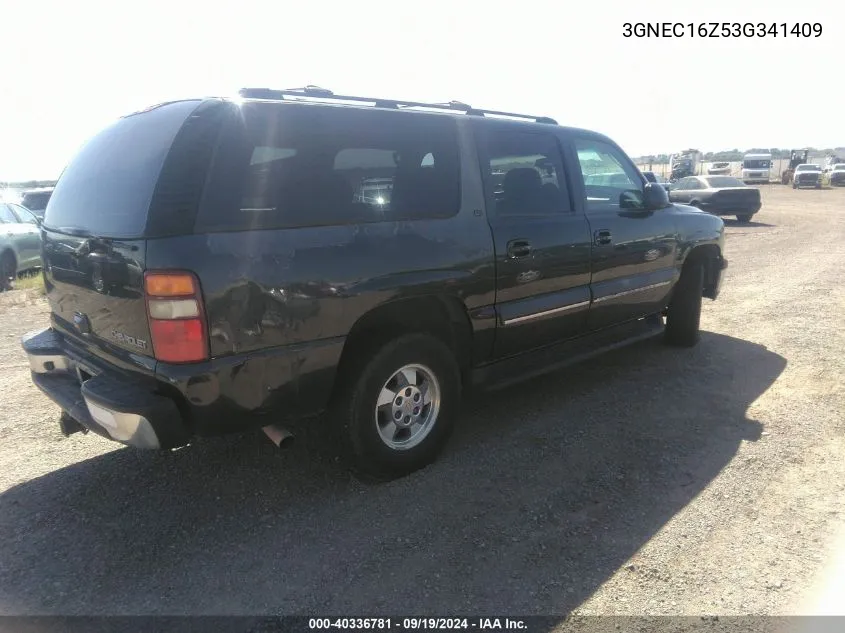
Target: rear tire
744, 218
396, 411
8, 270
684, 314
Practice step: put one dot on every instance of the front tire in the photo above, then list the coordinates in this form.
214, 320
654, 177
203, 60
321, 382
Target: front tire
396, 414
8, 270
684, 314
744, 218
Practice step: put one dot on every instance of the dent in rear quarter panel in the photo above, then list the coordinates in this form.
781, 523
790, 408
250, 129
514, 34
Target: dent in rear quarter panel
280, 302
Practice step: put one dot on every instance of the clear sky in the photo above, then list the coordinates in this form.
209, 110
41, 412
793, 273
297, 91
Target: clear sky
69, 68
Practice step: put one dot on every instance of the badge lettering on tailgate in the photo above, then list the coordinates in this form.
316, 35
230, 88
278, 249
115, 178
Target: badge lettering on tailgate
129, 340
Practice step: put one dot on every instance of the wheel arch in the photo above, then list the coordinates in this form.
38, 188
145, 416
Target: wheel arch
442, 316
710, 257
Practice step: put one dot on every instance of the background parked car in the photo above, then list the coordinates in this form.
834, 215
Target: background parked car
719, 195
20, 242
717, 169
807, 175
36, 200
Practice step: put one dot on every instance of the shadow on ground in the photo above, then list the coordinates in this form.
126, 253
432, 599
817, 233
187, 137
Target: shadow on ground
752, 224
545, 491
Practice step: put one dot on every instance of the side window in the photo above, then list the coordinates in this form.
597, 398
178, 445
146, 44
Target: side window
370, 171
525, 174
24, 215
610, 181
293, 166
6, 215
263, 154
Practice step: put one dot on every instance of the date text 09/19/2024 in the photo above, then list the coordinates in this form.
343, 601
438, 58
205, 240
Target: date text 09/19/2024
721, 29
417, 624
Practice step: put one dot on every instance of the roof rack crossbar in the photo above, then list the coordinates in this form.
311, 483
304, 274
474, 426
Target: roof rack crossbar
313, 92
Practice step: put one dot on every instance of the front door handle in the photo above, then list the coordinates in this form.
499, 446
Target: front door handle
519, 248
602, 236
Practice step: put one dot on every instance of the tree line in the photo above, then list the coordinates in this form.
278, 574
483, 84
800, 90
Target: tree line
29, 184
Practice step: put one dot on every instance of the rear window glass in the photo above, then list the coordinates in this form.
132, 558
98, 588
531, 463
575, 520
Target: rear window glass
106, 188
304, 165
724, 181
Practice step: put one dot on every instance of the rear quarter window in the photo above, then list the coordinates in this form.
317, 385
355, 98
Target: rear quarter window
106, 189
285, 166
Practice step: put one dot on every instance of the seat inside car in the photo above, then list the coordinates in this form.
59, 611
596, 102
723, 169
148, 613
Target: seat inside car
522, 192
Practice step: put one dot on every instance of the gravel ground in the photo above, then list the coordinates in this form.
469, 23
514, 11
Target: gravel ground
650, 481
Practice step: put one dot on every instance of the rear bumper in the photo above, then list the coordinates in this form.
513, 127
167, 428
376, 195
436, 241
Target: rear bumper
165, 405
730, 209
129, 412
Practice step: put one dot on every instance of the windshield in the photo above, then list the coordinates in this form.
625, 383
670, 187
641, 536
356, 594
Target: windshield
756, 163
807, 168
719, 182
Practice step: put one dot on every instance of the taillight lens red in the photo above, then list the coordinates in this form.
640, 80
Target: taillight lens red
174, 310
178, 341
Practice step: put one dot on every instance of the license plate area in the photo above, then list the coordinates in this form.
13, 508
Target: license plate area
83, 372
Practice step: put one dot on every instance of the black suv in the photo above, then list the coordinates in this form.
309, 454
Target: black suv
36, 200
219, 264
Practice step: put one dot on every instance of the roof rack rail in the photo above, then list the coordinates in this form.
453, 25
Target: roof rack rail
315, 92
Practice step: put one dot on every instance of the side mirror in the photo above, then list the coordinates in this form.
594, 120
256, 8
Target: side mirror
651, 198
655, 196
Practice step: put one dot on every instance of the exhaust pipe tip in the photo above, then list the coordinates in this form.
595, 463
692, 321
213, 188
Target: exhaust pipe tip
69, 425
281, 437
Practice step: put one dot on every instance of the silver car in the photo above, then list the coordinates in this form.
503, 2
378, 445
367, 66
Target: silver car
20, 242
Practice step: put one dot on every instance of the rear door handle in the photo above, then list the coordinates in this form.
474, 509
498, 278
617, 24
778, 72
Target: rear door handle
519, 248
602, 236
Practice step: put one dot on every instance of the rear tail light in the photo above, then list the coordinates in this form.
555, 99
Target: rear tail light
175, 313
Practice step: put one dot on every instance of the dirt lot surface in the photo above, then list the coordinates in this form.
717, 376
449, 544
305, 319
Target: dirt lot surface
650, 481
